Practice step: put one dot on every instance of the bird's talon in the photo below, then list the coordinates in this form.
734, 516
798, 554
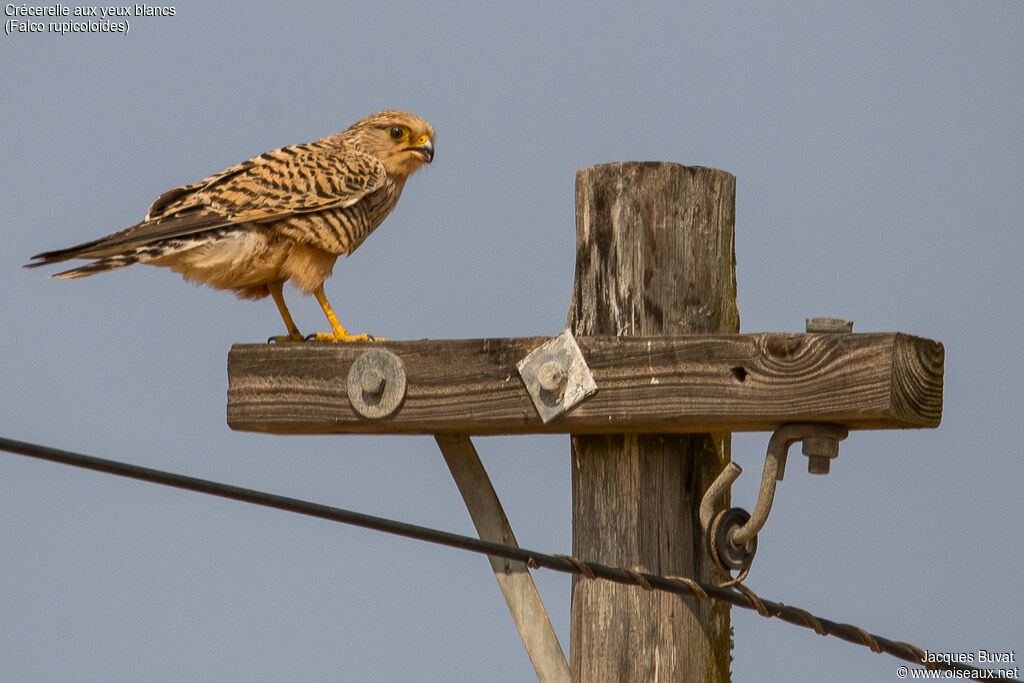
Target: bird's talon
328, 337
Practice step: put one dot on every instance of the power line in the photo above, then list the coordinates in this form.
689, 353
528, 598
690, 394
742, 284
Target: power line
739, 595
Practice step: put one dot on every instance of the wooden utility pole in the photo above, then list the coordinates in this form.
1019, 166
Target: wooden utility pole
655, 322
654, 256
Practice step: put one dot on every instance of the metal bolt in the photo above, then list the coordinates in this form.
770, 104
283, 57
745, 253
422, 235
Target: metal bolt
372, 381
816, 464
552, 376
819, 452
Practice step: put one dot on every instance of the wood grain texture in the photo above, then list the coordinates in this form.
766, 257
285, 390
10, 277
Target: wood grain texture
654, 256
650, 259
654, 313
687, 383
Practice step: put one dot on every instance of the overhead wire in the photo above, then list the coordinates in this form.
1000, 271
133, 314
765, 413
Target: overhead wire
737, 595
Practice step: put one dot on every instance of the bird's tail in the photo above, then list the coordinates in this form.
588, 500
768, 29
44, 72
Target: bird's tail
143, 253
100, 266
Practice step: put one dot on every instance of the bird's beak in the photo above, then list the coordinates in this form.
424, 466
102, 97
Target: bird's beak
424, 149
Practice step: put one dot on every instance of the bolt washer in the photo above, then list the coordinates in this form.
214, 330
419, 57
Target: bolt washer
558, 364
377, 404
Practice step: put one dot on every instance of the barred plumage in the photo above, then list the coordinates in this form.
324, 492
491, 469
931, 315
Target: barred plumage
285, 215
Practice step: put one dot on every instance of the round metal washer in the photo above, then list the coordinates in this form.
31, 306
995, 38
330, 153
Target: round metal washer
729, 555
376, 363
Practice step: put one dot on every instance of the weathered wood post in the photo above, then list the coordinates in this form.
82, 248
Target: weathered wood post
654, 256
654, 313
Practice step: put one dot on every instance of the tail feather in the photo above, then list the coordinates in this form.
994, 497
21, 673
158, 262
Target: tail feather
150, 233
143, 253
101, 266
56, 256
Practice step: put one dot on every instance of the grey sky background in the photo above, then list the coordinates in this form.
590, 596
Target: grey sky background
879, 155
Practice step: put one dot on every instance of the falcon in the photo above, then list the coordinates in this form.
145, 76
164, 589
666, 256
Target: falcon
284, 216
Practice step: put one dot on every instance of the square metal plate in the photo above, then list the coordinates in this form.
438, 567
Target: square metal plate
556, 376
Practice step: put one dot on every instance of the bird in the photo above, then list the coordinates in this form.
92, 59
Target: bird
283, 216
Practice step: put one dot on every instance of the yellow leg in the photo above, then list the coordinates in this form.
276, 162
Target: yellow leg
293, 332
338, 332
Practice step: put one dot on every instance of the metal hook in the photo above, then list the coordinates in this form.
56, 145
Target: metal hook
735, 540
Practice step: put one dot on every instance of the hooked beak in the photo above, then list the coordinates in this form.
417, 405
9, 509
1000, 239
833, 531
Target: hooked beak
424, 150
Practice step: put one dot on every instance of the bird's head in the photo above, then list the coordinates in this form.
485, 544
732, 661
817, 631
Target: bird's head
403, 141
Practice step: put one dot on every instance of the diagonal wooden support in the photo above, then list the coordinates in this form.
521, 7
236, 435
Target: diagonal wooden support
513, 577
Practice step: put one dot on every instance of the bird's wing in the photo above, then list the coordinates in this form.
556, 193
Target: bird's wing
274, 185
295, 179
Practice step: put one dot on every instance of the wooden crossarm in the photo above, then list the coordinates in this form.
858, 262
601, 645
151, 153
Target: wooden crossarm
689, 383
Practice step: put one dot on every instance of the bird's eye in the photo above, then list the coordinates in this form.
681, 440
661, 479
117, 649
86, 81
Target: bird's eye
396, 132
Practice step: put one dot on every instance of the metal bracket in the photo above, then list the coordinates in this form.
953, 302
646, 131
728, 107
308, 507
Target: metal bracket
828, 326
556, 376
734, 540
376, 383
